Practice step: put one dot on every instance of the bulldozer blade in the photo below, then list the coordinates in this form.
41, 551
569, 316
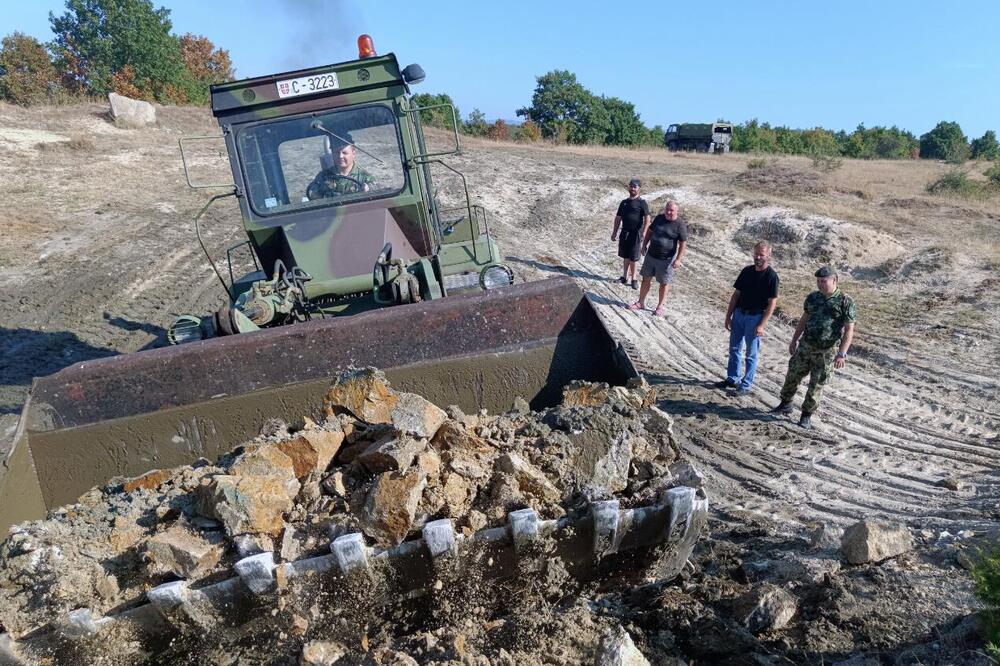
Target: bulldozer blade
124, 415
603, 538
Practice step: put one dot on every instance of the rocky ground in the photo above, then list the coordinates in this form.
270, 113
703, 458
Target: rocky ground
99, 256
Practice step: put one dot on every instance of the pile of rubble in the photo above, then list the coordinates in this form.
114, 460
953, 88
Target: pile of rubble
384, 465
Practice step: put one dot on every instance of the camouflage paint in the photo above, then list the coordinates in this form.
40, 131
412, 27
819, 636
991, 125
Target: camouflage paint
337, 244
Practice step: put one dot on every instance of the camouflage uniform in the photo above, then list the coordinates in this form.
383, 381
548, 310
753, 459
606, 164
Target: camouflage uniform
818, 346
329, 183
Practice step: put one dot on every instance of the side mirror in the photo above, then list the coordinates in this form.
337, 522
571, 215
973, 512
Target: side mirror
413, 74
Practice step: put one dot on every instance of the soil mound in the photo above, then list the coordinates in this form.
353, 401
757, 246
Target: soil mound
781, 179
803, 240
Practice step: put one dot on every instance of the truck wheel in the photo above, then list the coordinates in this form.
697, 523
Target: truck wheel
672, 146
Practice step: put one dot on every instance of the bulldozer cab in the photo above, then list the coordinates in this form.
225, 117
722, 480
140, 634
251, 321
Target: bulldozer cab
333, 178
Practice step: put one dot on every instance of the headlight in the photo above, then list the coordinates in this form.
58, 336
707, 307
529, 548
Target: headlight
461, 281
496, 276
186, 328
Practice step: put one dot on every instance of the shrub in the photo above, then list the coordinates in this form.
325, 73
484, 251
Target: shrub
756, 163
993, 176
530, 132
986, 575
498, 131
439, 116
29, 70
826, 163
955, 182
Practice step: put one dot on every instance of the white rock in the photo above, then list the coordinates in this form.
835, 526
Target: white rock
131, 111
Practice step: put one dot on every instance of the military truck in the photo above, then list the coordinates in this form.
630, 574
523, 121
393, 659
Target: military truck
333, 179
700, 137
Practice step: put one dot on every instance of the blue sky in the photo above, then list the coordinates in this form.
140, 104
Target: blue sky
802, 64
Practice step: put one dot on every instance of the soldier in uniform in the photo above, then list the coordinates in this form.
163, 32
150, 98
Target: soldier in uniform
826, 329
344, 176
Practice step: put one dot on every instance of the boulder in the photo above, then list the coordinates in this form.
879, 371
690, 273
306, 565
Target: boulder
872, 541
530, 480
263, 460
312, 450
768, 608
391, 506
366, 394
617, 649
391, 453
130, 112
248, 504
415, 415
183, 553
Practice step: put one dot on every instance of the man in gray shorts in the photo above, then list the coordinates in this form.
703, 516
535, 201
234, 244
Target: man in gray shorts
664, 245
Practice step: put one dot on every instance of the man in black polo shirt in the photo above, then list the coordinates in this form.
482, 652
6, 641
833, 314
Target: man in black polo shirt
633, 218
755, 294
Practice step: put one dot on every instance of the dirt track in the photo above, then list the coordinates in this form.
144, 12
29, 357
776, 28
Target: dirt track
100, 255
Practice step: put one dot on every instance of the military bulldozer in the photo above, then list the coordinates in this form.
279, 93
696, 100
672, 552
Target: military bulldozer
356, 265
699, 137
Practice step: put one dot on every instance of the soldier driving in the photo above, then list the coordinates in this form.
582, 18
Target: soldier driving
343, 176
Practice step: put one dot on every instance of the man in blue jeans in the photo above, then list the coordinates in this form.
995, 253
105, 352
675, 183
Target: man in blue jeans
755, 294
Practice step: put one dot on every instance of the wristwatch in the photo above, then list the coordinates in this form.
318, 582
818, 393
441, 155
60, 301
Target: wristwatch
841, 355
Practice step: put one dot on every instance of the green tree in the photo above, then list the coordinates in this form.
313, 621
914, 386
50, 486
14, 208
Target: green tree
97, 39
476, 124
945, 142
27, 68
625, 127
986, 147
559, 104
439, 116
754, 137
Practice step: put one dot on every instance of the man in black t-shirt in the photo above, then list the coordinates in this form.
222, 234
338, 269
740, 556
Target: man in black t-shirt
755, 295
633, 218
664, 244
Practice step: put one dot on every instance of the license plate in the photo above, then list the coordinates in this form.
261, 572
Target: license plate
307, 85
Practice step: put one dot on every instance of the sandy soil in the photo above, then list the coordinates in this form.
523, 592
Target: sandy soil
99, 256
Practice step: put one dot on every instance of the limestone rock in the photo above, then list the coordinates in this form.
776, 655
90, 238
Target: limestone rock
248, 504
585, 394
604, 461
685, 474
312, 450
183, 553
520, 406
826, 536
263, 460
617, 649
530, 480
365, 394
429, 461
953, 483
334, 485
768, 608
131, 112
147, 481
321, 653
458, 495
871, 541
392, 452
415, 415
391, 506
